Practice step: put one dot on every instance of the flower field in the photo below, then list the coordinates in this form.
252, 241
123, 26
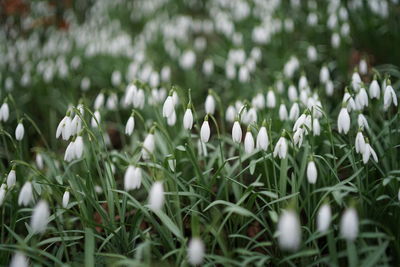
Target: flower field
199, 133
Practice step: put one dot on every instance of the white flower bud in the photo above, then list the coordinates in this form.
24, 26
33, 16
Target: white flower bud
262, 139
283, 114
389, 97
349, 224
236, 132
168, 107
99, 101
281, 148
316, 127
4, 112
324, 218
112, 101
188, 119
19, 260
271, 100
171, 120
312, 172
230, 114
65, 199
40, 217
19, 131
324, 75
11, 178
138, 101
289, 231
374, 90
294, 112
96, 119
78, 147
205, 132
210, 104
196, 251
156, 198
132, 178
329, 88
292, 93
343, 121
2, 193
148, 146
360, 143
25, 195
248, 143
356, 81
130, 125
39, 161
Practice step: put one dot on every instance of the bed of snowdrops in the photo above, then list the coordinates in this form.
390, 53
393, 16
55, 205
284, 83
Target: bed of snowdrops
230, 133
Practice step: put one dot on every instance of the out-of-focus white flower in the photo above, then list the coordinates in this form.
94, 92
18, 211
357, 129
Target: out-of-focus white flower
294, 111
248, 142
156, 198
335, 40
349, 224
19, 131
363, 66
39, 161
168, 107
289, 231
78, 147
25, 195
374, 90
65, 199
281, 148
324, 218
362, 121
96, 119
316, 127
130, 125
4, 112
196, 251
324, 75
132, 178
205, 131
230, 113
187, 60
210, 104
298, 137
208, 67
40, 217
312, 53
343, 121
312, 172
171, 120
329, 88
19, 260
11, 178
347, 98
112, 101
356, 81
85, 84
292, 93
99, 101
361, 99
130, 94
283, 114
258, 101
2, 193
138, 101
148, 146
271, 100
262, 139
368, 151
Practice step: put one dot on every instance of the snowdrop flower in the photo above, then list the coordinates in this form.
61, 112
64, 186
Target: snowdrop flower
130, 94
187, 60
361, 99
78, 147
132, 178
303, 120
316, 127
324, 75
248, 142
70, 152
64, 128
283, 114
39, 161
347, 98
26, 194
205, 131
76, 125
292, 93
303, 83
294, 111
19, 260
138, 101
324, 218
99, 101
188, 119
112, 101
2, 193
262, 139
208, 67
11, 178
168, 107
171, 120
65, 199
19, 131
96, 119
281, 148
343, 121
244, 74
196, 251
116, 78
298, 137
289, 231
312, 172
210, 104
360, 143
312, 53
156, 198
329, 88
250, 116
236, 132
4, 112
356, 81
148, 146
271, 100
85, 84
258, 101
374, 90
40, 217
389, 96
349, 224
130, 125
362, 121
230, 113
368, 151
335, 40
363, 66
